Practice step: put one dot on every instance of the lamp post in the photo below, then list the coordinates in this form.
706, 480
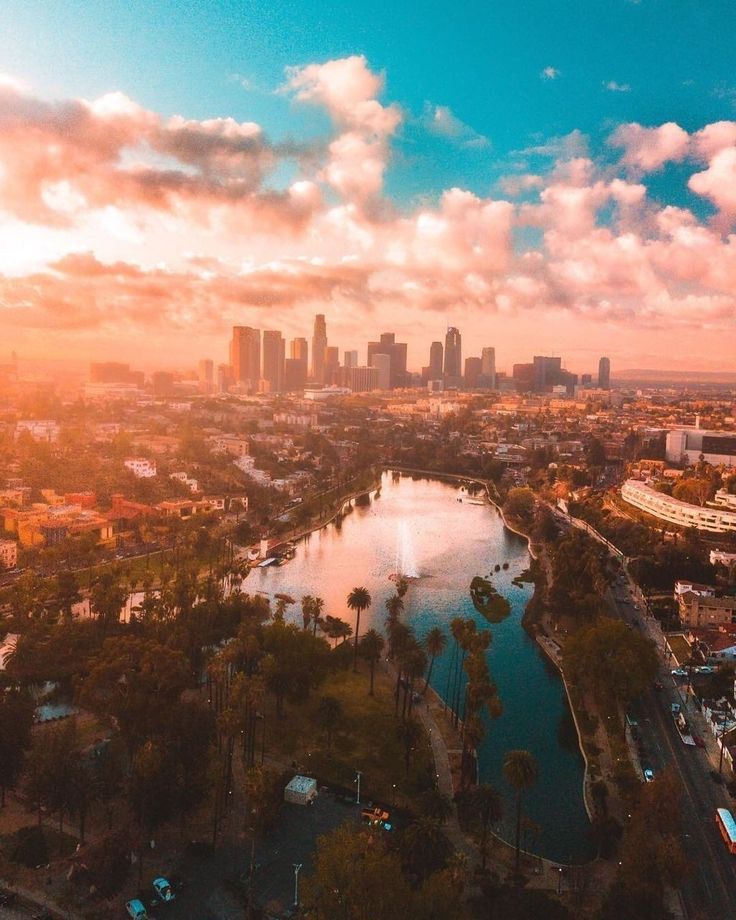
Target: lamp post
723, 732
358, 774
297, 867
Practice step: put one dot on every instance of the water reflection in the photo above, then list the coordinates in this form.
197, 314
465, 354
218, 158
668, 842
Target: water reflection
435, 530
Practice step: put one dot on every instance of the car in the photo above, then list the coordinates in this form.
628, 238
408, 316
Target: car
648, 775
679, 672
136, 910
163, 889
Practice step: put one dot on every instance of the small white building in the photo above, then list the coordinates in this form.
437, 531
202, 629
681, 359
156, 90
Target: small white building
39, 429
8, 554
141, 467
186, 480
301, 790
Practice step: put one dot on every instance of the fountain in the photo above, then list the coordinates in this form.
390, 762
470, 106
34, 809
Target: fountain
406, 563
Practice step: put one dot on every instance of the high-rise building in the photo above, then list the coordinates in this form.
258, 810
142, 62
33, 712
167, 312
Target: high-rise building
472, 372
523, 376
586, 380
273, 360
363, 379
436, 352
163, 383
299, 350
114, 372
332, 365
453, 354
295, 374
319, 347
488, 368
547, 372
224, 377
206, 375
383, 364
396, 352
604, 374
245, 356
351, 358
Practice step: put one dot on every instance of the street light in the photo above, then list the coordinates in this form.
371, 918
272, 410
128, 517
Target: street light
297, 867
358, 774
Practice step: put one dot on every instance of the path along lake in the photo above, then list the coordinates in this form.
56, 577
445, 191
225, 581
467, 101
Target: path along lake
418, 526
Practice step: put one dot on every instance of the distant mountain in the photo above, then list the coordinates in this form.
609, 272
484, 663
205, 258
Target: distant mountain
653, 376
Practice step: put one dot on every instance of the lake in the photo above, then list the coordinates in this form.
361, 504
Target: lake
418, 526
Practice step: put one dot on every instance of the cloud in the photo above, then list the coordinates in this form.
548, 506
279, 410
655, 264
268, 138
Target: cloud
549, 73
614, 86
441, 121
648, 149
166, 228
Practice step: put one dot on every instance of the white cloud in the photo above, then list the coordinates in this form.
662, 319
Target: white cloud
549, 73
614, 86
441, 121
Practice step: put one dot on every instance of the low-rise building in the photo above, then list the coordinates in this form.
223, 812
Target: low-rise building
231, 444
8, 554
683, 514
697, 609
39, 429
141, 467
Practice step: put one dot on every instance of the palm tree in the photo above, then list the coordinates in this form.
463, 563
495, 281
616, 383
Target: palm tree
520, 770
307, 610
487, 806
316, 611
358, 600
434, 642
330, 712
371, 646
394, 606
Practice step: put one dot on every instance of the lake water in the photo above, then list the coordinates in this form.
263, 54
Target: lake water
418, 526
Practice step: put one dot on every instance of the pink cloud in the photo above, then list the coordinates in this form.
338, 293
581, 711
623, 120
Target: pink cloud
648, 149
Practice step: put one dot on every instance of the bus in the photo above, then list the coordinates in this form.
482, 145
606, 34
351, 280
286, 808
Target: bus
727, 827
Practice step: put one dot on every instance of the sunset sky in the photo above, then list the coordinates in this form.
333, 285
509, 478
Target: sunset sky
553, 177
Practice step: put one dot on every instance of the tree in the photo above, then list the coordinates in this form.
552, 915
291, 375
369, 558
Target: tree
425, 847
330, 713
16, 721
371, 646
434, 642
67, 593
520, 771
482, 807
106, 598
520, 504
359, 600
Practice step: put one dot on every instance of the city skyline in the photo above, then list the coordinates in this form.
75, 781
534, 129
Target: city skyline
141, 217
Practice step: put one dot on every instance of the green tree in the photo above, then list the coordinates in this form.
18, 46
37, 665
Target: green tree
435, 642
481, 807
371, 647
425, 847
359, 600
520, 770
16, 721
330, 713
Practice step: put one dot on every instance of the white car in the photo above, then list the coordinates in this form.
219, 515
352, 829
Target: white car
679, 672
163, 889
648, 775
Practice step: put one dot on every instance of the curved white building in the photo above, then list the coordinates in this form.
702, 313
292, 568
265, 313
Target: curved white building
666, 508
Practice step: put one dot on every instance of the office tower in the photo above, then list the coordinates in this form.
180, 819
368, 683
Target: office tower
523, 375
383, 364
387, 345
332, 365
488, 368
163, 383
547, 372
295, 374
114, 372
206, 375
436, 352
351, 358
453, 353
224, 378
604, 374
245, 356
299, 350
472, 372
586, 380
363, 379
319, 347
273, 360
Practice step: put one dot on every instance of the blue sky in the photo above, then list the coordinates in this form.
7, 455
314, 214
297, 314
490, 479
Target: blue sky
672, 60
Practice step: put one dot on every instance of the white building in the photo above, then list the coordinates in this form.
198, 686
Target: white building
666, 508
39, 429
688, 445
141, 467
186, 480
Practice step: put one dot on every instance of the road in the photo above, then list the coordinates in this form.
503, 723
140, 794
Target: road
710, 889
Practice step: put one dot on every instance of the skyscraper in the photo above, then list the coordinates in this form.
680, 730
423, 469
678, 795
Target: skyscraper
453, 353
396, 352
273, 360
299, 350
383, 364
547, 372
488, 368
436, 352
206, 375
319, 347
245, 356
604, 374
351, 358
472, 372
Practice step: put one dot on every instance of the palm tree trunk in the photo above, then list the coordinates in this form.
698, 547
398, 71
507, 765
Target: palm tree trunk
518, 829
355, 647
429, 674
373, 667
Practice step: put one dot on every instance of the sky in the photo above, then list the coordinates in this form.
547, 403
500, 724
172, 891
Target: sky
551, 176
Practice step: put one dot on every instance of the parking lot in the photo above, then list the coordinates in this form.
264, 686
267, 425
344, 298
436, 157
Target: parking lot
215, 884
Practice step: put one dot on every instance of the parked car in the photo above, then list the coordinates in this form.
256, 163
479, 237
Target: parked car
136, 910
648, 775
679, 672
163, 889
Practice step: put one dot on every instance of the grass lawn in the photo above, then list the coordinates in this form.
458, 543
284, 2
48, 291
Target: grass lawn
366, 738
